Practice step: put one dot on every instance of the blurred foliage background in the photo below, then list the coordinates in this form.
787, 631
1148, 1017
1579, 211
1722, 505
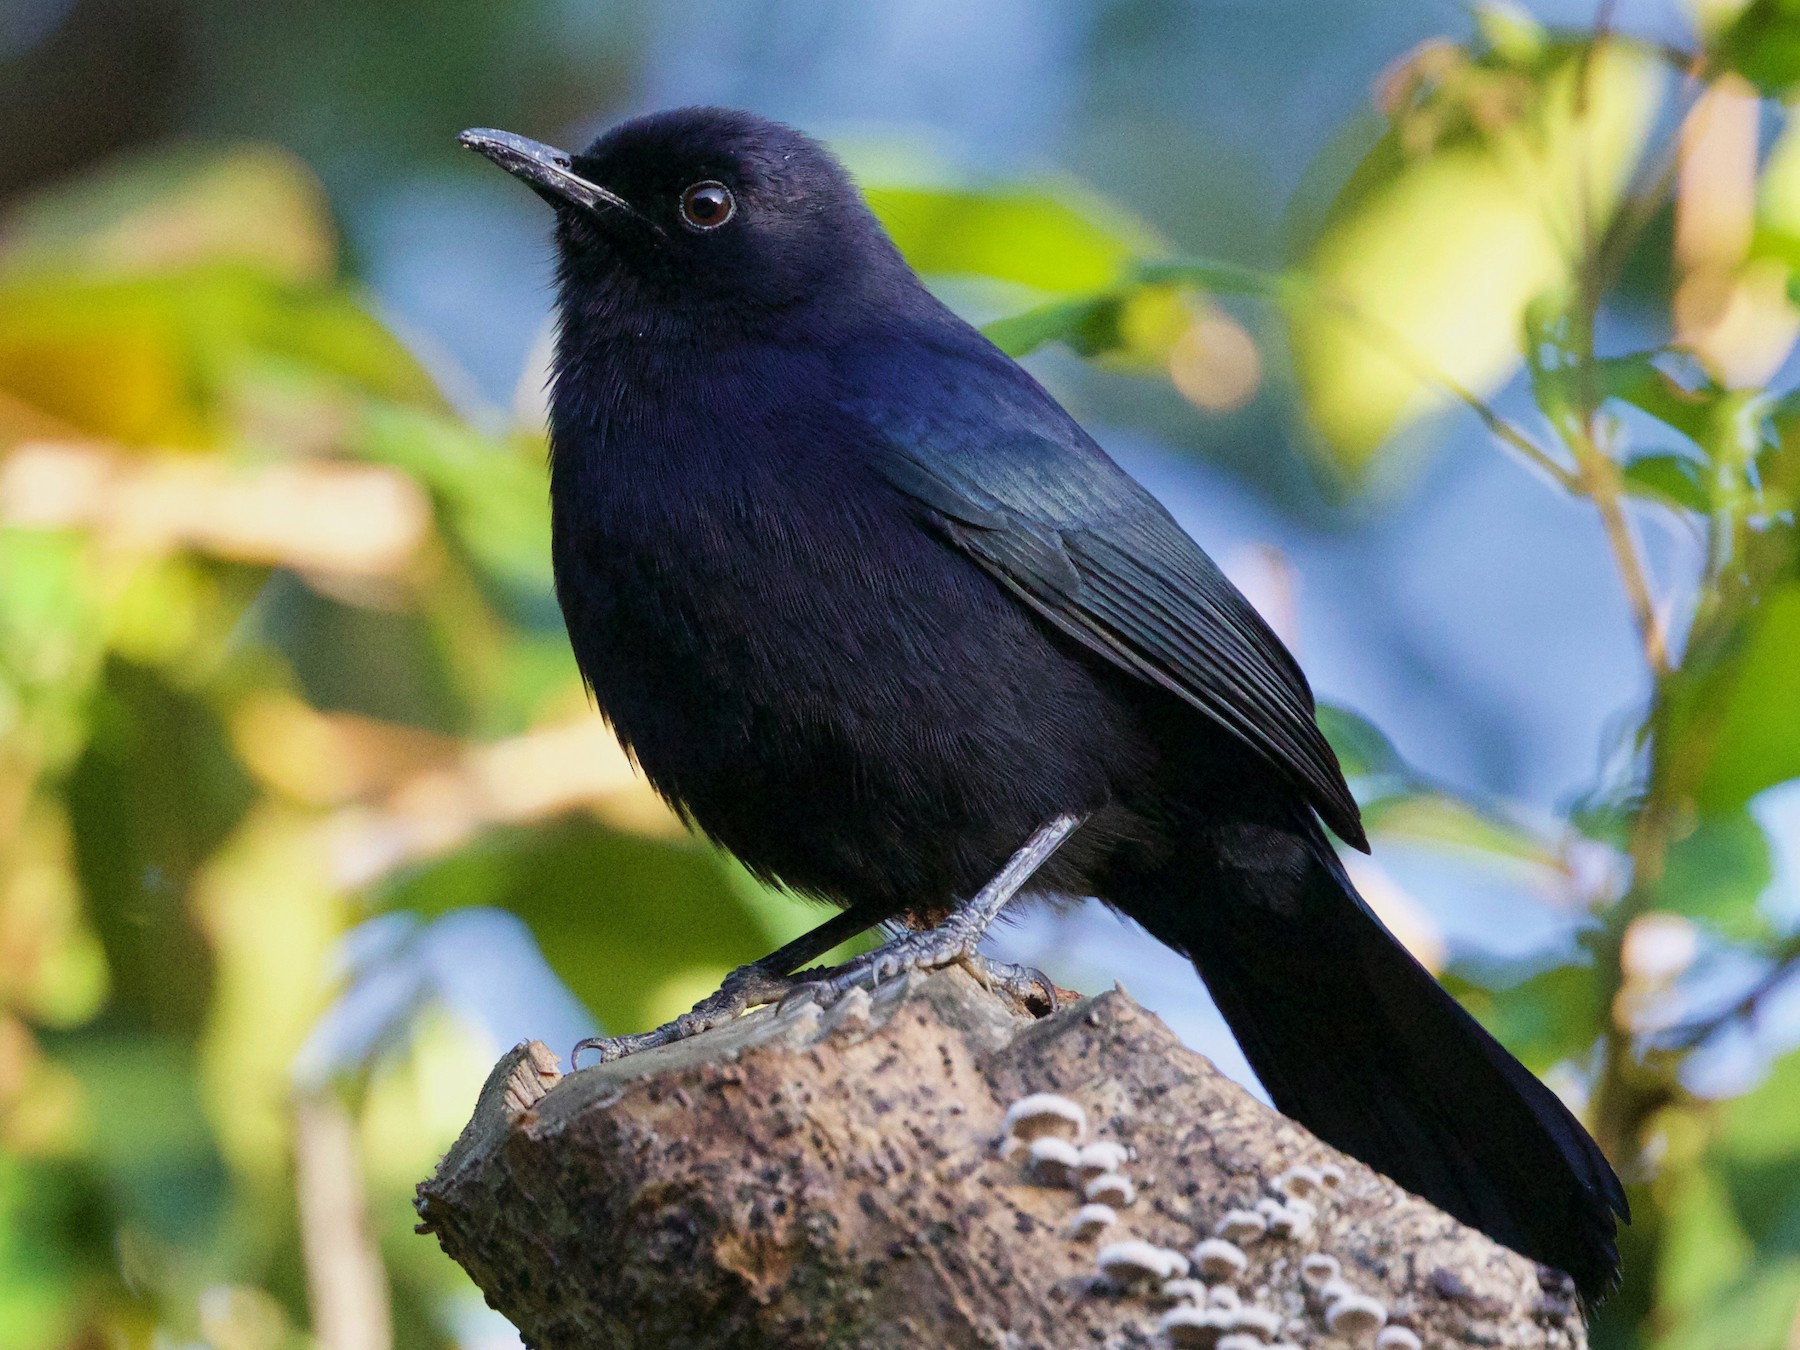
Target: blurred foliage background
1464, 336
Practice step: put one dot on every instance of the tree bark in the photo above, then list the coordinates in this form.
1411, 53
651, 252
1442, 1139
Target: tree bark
804, 1179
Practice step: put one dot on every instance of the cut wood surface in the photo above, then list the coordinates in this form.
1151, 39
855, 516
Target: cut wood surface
845, 1178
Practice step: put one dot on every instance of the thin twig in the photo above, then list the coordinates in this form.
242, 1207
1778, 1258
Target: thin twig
1785, 961
1598, 481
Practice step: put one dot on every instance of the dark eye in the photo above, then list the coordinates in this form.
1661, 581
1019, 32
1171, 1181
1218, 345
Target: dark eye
708, 205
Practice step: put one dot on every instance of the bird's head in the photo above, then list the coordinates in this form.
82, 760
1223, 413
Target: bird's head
703, 214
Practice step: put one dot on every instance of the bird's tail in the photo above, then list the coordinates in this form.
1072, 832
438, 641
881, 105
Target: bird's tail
1354, 1039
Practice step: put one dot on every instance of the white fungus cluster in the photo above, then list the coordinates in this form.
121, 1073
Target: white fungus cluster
1049, 1128
1203, 1305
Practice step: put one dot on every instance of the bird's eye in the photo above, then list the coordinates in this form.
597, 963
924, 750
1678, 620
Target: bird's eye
708, 205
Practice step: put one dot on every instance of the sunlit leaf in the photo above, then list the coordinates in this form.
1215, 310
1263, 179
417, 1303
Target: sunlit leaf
1753, 1313
1424, 267
1705, 1249
172, 209
1055, 241
1778, 200
270, 912
1443, 821
158, 360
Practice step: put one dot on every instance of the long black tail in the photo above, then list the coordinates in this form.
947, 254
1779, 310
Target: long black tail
1354, 1039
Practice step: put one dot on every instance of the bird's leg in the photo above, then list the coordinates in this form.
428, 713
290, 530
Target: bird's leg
957, 937
764, 981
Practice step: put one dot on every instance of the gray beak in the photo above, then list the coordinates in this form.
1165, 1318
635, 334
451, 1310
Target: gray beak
545, 170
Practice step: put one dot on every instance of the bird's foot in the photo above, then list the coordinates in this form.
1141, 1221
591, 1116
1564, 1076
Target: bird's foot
1027, 986
929, 949
925, 949
767, 980
956, 938
746, 987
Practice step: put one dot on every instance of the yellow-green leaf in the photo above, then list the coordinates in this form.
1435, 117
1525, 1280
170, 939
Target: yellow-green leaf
1424, 267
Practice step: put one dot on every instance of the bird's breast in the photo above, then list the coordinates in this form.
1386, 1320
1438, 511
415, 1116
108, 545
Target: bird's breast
822, 684
731, 604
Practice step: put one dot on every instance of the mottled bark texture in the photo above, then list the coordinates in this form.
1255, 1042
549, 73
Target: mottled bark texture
800, 1179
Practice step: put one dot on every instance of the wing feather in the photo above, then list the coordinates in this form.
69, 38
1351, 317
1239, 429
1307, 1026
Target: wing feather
1053, 519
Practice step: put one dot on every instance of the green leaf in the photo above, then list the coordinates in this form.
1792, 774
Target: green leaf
56, 1235
492, 495
1637, 379
1763, 45
1089, 326
1363, 749
616, 915
1753, 1313
156, 790
1758, 1148
1445, 821
1675, 479
150, 1137
165, 359
1607, 817
1758, 742
1545, 1017
1053, 240
1717, 873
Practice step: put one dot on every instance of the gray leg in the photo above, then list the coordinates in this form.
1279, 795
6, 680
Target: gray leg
957, 937
764, 981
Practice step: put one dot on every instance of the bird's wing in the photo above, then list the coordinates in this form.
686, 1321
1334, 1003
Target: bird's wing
1007, 476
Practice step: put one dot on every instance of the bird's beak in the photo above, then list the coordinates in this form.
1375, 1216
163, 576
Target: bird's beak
546, 171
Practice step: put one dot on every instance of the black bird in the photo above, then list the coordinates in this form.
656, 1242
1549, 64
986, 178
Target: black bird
875, 614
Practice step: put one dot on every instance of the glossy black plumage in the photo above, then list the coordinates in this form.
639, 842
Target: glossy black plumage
870, 608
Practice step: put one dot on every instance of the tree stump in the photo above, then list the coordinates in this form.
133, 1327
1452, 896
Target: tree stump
840, 1179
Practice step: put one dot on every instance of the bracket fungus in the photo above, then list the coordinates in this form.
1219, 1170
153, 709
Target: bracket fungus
1197, 1327
1134, 1263
1110, 1188
1051, 1160
1092, 1220
1241, 1226
1218, 1259
1355, 1315
1044, 1113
